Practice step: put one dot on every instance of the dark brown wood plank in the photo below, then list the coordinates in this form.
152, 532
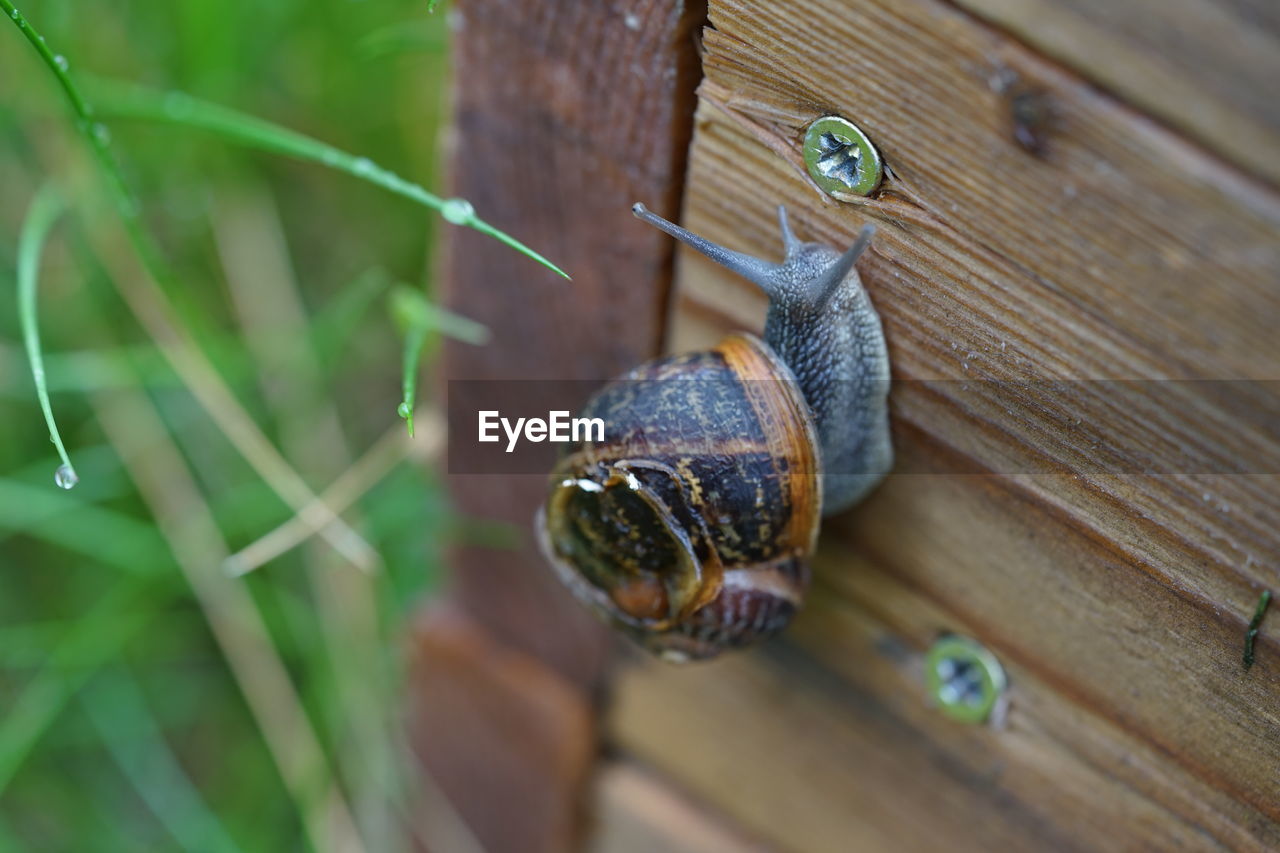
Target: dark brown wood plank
565, 114
506, 744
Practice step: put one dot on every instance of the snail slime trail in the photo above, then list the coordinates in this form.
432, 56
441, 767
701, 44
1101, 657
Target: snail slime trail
558, 427
690, 526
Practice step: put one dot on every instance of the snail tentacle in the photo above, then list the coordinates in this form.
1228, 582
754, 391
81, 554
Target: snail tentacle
761, 273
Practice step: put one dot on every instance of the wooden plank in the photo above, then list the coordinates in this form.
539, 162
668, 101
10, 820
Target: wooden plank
1207, 67
827, 740
1117, 600
831, 735
1120, 220
637, 811
506, 743
566, 113
976, 281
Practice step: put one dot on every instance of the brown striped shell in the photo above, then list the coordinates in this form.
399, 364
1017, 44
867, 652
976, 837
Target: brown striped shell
691, 525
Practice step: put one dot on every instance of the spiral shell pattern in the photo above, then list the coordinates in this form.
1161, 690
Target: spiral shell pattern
690, 526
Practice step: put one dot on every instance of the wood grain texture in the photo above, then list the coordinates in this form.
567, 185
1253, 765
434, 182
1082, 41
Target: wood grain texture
507, 744
830, 733
1118, 600
566, 113
1206, 67
637, 811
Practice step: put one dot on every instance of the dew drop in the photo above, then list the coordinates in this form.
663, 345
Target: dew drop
61, 62
65, 477
404, 410
15, 14
101, 133
363, 167
458, 211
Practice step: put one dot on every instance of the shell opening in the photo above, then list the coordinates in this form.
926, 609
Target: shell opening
623, 549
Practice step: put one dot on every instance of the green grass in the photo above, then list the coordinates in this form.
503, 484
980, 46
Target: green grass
125, 721
116, 101
418, 319
45, 210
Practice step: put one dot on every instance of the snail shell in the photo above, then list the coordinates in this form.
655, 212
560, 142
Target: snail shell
690, 525
647, 526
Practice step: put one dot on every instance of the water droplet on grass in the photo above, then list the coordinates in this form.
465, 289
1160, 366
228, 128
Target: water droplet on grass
363, 167
65, 477
458, 211
61, 62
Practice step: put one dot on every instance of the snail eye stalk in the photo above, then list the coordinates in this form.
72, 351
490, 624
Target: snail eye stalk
761, 273
826, 286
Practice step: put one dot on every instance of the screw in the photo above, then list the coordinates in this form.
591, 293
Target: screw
966, 680
841, 159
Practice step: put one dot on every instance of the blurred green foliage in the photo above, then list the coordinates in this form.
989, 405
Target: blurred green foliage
122, 726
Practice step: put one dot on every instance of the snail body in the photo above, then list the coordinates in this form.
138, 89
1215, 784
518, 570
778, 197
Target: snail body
690, 526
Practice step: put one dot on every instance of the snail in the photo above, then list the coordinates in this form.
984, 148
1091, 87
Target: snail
690, 526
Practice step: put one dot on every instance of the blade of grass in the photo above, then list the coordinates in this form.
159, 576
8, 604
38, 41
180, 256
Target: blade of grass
92, 640
414, 338
26, 645
103, 535
186, 522
120, 101
411, 309
335, 322
44, 212
1254, 626
116, 703
70, 371
220, 403
367, 471
417, 317
404, 37
144, 290
251, 243
109, 367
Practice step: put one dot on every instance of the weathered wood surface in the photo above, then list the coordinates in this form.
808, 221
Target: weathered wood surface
636, 811
1206, 67
1118, 601
565, 114
507, 744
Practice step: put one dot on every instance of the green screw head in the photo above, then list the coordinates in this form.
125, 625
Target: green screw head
964, 678
841, 159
